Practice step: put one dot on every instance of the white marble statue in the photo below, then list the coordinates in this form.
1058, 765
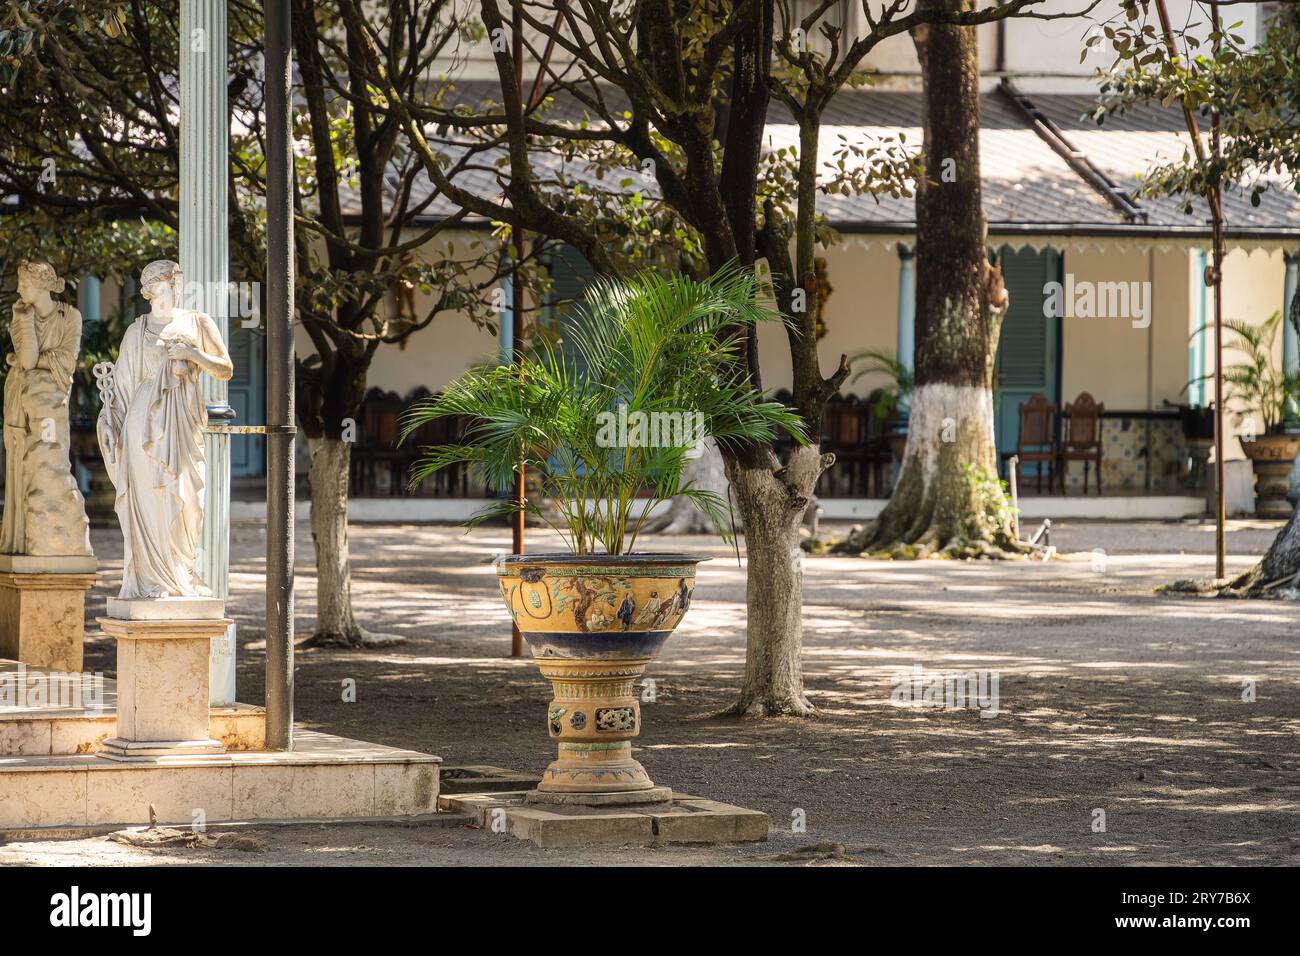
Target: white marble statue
44, 513
151, 434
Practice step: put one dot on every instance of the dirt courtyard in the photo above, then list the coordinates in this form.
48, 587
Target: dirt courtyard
1113, 699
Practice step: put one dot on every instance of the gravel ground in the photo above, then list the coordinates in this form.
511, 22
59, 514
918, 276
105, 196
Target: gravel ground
1112, 698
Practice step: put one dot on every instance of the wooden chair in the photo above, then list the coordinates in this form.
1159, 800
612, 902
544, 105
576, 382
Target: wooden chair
1037, 441
1082, 437
844, 432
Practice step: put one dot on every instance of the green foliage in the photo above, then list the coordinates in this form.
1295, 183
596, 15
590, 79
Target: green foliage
875, 361
1259, 386
1256, 91
993, 513
651, 344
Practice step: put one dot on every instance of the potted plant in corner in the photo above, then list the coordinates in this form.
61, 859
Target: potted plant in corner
1261, 396
890, 412
607, 418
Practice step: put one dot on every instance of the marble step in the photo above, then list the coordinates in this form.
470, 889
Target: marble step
323, 778
49, 715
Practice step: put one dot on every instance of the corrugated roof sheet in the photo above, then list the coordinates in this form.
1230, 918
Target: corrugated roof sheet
1028, 187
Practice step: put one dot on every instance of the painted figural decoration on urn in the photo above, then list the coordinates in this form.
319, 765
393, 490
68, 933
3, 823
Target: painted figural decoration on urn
44, 513
151, 435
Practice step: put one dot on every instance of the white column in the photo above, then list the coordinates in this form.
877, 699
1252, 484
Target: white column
205, 260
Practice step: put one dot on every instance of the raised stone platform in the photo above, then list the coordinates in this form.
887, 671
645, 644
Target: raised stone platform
47, 728
683, 819
324, 777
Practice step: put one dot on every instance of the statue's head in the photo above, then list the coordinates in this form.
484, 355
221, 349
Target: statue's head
35, 277
162, 276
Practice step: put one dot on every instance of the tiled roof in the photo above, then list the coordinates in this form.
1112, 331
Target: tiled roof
1028, 186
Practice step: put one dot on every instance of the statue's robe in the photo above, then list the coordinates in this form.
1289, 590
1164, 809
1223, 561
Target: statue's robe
157, 414
44, 513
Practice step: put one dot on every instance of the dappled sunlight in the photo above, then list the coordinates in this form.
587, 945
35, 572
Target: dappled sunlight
1110, 694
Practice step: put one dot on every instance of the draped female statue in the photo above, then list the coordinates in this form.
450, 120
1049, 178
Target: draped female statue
44, 513
151, 434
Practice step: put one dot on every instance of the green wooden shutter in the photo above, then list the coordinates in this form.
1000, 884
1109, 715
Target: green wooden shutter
1026, 360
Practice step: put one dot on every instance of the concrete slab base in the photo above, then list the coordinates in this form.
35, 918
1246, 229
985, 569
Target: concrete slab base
685, 819
324, 777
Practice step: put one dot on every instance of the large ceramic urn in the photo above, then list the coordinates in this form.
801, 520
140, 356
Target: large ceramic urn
593, 623
1272, 457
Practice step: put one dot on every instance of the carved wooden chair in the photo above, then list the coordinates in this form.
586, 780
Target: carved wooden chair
844, 432
1082, 437
1037, 441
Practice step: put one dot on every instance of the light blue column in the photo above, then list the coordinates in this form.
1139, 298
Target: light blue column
1291, 348
88, 302
506, 324
906, 311
205, 260
1196, 348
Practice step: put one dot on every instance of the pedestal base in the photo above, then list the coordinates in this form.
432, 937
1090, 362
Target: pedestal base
163, 696
625, 798
593, 718
42, 609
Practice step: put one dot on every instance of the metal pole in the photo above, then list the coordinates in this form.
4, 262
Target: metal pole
1216, 209
516, 332
1215, 199
279, 383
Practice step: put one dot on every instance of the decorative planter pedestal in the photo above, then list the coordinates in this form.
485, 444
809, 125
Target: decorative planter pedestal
1273, 457
594, 622
163, 692
43, 607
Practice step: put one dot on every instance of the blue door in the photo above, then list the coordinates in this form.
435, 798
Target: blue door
1028, 350
248, 398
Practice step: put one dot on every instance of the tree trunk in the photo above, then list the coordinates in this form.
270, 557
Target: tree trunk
1278, 574
772, 501
948, 499
335, 625
708, 473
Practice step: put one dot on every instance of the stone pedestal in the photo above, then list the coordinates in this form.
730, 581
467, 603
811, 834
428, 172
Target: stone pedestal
163, 692
42, 609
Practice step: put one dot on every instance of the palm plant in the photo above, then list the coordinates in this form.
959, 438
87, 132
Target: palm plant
1259, 386
644, 356
875, 361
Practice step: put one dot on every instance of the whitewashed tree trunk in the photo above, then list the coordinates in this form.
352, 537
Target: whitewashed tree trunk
947, 497
335, 623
